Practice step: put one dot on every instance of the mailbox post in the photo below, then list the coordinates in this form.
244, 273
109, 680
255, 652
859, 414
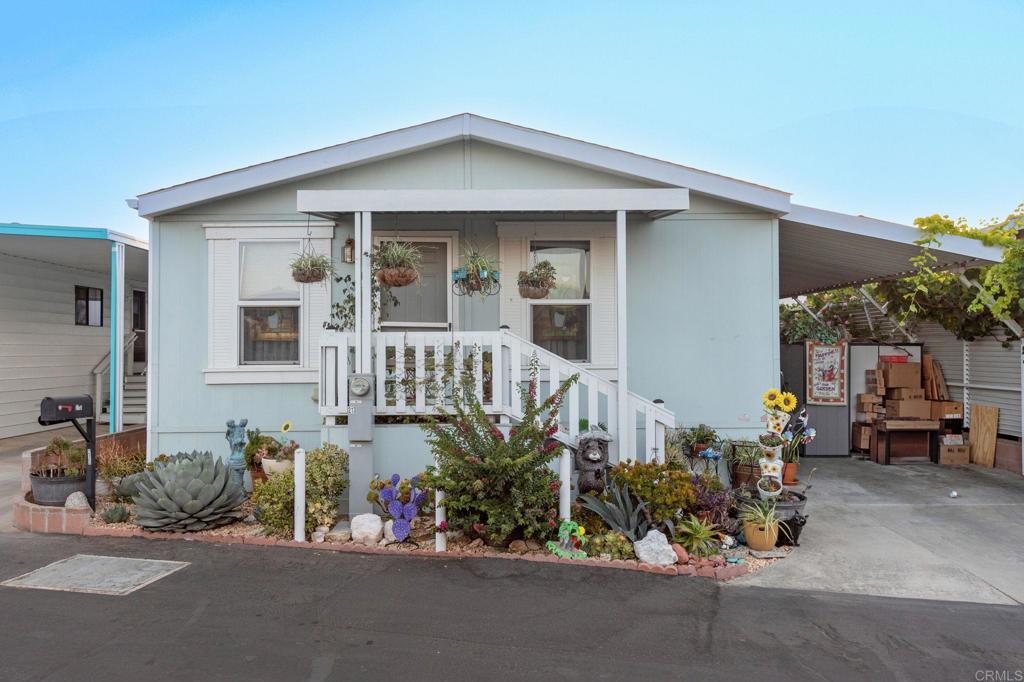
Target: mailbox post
71, 409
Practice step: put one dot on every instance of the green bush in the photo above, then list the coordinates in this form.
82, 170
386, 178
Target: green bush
498, 488
259, 444
665, 491
610, 542
326, 469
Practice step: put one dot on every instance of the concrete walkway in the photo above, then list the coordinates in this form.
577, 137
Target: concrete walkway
893, 531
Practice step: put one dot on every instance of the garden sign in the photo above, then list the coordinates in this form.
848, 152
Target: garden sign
826, 373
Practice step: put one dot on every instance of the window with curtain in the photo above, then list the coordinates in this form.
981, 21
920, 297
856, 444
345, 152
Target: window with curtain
88, 306
269, 304
561, 322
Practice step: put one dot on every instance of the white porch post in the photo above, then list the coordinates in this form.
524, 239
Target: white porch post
116, 337
625, 449
364, 307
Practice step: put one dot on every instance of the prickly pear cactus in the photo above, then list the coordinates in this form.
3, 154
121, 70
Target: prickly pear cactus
189, 492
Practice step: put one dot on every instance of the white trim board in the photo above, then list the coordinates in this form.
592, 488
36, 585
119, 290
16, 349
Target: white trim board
466, 127
490, 200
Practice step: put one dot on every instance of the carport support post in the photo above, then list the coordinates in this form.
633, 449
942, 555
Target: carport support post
621, 334
364, 305
116, 337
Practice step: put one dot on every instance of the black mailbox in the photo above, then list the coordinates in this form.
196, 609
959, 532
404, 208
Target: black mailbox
57, 410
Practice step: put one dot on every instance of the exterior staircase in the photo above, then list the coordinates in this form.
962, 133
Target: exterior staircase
135, 399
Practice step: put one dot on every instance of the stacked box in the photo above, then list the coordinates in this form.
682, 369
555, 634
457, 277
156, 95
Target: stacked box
862, 436
905, 394
908, 409
947, 409
902, 374
952, 455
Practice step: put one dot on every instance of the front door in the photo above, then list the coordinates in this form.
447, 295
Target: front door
426, 304
139, 325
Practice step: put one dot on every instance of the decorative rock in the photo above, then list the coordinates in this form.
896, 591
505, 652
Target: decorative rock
768, 554
389, 533
476, 543
654, 549
318, 536
533, 545
517, 546
250, 520
717, 560
338, 536
323, 529
367, 529
76, 500
682, 556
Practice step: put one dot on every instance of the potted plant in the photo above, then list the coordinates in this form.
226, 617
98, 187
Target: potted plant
760, 525
771, 444
260, 445
479, 273
742, 456
697, 439
768, 487
397, 263
538, 281
777, 406
308, 268
798, 434
58, 473
283, 459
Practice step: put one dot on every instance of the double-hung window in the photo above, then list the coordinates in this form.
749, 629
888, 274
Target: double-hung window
269, 304
561, 322
88, 306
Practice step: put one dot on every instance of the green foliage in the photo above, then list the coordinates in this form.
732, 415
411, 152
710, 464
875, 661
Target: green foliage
796, 325
343, 313
619, 511
313, 266
541, 276
188, 492
686, 439
60, 459
697, 537
126, 488
611, 542
666, 492
259, 445
476, 261
498, 487
394, 253
115, 462
326, 469
117, 513
741, 452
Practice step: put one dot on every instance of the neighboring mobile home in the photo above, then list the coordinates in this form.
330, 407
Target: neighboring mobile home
61, 322
670, 283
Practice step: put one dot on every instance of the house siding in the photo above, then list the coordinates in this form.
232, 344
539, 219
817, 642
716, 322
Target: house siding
702, 295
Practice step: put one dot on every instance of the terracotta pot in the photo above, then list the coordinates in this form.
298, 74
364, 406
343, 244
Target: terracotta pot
397, 277
258, 474
309, 276
745, 474
534, 292
760, 538
277, 466
789, 471
698, 448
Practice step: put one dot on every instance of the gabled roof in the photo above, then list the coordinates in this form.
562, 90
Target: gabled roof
461, 126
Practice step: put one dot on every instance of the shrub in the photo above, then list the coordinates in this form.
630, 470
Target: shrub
495, 487
326, 468
541, 276
712, 501
115, 462
666, 492
62, 458
610, 542
260, 445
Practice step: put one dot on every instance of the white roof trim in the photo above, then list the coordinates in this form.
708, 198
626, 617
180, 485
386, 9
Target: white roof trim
963, 247
327, 201
449, 129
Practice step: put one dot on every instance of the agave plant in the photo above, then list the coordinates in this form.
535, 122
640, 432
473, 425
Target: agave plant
619, 512
697, 537
188, 492
127, 487
115, 514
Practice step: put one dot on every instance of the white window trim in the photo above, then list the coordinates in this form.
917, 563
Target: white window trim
565, 301
240, 303
449, 237
237, 233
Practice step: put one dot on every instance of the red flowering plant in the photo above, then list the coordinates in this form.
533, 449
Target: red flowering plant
498, 487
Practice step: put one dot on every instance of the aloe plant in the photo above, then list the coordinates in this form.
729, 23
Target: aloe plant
696, 536
619, 512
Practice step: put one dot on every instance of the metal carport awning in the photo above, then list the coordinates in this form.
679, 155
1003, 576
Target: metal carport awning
821, 250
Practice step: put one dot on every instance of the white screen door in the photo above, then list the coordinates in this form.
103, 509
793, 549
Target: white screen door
427, 303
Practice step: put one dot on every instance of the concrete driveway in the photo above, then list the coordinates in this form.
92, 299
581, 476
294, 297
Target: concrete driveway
893, 531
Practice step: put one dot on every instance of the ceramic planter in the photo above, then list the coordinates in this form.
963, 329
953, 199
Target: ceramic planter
53, 492
277, 466
761, 538
397, 277
773, 452
789, 471
767, 494
777, 422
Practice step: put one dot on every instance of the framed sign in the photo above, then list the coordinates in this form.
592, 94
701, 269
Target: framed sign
826, 373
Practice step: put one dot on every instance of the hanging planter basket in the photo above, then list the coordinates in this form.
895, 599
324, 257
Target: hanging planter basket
397, 277
309, 275
534, 292
485, 282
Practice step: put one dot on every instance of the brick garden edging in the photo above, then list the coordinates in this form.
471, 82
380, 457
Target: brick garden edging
38, 519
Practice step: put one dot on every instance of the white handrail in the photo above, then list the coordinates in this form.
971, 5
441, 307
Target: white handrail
104, 364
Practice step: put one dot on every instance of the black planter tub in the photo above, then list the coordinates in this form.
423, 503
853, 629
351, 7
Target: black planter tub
53, 492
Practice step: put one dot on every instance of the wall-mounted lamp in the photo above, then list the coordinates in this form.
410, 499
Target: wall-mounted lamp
349, 253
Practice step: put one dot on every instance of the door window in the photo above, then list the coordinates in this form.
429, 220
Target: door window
426, 302
561, 322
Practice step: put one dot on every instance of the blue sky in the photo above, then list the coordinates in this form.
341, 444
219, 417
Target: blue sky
887, 109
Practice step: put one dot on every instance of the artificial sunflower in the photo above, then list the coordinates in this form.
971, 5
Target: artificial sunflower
787, 402
770, 398
286, 427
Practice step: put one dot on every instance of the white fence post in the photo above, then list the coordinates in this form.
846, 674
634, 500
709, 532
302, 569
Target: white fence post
564, 479
300, 495
440, 517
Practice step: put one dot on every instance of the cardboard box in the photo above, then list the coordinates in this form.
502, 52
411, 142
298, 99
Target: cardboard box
952, 455
905, 394
902, 374
868, 398
868, 417
862, 436
945, 409
908, 409
952, 439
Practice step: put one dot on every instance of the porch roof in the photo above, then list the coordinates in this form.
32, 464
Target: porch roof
83, 248
821, 250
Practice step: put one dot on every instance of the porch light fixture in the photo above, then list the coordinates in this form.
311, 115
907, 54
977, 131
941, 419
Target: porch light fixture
349, 253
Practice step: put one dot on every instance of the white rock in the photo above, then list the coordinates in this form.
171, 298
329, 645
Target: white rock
76, 500
318, 536
389, 533
367, 529
343, 535
655, 549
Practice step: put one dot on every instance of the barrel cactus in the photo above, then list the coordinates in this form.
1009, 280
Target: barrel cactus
188, 492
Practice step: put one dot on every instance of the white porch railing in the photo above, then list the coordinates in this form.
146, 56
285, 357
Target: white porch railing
411, 371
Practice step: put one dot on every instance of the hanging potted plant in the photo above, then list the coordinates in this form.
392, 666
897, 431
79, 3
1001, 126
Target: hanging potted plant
538, 281
309, 267
760, 525
742, 456
479, 273
397, 263
58, 473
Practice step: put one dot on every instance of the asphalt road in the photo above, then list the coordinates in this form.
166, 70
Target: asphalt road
251, 614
